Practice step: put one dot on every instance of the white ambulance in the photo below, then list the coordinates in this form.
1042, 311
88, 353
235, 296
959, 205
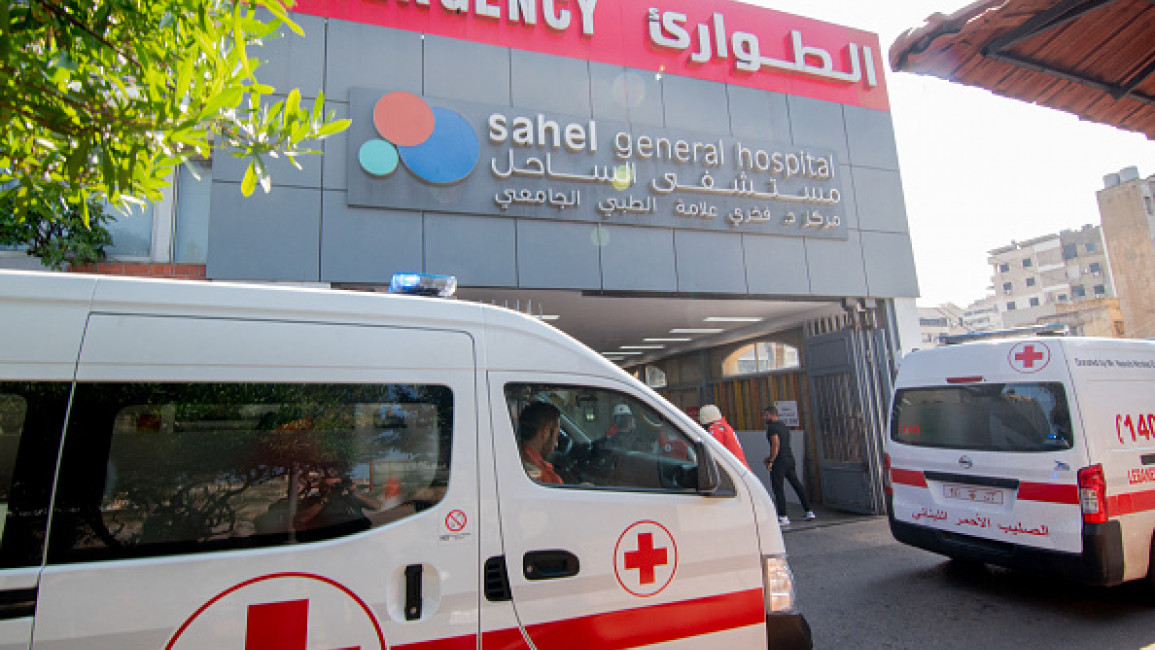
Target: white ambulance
200, 465
1036, 453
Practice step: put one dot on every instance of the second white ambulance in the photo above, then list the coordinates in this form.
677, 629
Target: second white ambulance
1035, 453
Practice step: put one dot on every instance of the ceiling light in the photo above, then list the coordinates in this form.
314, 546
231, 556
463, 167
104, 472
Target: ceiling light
618, 353
547, 316
687, 330
643, 347
667, 340
733, 319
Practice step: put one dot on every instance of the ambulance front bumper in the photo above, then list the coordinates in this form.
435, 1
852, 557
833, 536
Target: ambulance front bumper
1100, 563
788, 632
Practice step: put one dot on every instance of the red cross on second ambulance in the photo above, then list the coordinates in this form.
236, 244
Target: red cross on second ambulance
1029, 357
645, 559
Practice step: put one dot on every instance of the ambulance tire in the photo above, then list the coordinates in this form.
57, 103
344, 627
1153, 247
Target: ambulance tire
1150, 580
965, 566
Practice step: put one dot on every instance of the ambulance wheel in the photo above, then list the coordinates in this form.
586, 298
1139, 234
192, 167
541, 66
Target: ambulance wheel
1151, 566
965, 566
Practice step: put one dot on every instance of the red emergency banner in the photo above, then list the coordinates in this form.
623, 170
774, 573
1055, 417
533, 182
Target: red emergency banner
713, 40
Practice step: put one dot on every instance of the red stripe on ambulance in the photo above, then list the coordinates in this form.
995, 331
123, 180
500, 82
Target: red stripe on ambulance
1128, 504
1049, 493
907, 477
625, 628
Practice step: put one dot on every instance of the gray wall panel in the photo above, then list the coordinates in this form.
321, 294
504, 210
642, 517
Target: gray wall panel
456, 69
849, 206
273, 236
371, 57
480, 251
535, 83
776, 265
818, 124
878, 195
292, 61
618, 93
709, 262
758, 114
696, 105
870, 137
367, 245
637, 259
334, 162
889, 263
557, 255
836, 267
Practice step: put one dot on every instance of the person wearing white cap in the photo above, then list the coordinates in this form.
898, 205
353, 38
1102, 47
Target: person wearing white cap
711, 418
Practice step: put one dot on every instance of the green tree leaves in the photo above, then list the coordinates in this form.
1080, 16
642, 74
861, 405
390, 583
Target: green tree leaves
101, 99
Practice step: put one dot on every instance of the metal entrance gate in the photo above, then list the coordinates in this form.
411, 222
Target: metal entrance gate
850, 372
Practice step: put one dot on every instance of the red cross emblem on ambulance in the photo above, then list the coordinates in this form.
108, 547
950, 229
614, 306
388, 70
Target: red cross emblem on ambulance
645, 558
1029, 357
283, 611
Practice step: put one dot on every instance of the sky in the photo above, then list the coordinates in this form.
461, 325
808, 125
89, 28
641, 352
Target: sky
979, 170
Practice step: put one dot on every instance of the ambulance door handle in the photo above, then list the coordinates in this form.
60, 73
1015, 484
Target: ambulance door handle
548, 565
413, 592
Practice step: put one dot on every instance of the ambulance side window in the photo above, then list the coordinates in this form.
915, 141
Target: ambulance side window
160, 469
607, 439
31, 419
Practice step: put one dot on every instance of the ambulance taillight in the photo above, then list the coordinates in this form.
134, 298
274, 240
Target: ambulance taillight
1093, 494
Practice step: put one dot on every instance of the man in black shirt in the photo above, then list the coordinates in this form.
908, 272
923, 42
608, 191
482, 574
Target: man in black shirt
780, 462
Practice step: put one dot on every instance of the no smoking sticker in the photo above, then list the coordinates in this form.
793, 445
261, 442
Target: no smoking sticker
645, 558
455, 521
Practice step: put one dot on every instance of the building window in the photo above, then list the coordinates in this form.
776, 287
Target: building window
1095, 268
1004, 268
655, 377
1091, 247
760, 357
1063, 297
1078, 291
1100, 290
1027, 263
1070, 251
1034, 302
131, 233
1011, 306
1008, 287
1030, 282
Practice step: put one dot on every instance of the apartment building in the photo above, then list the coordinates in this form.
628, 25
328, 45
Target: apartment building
1034, 280
1127, 211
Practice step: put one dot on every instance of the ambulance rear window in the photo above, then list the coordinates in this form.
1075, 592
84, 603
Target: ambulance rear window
1018, 417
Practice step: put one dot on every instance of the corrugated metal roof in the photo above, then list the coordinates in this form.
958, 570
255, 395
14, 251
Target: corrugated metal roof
1093, 58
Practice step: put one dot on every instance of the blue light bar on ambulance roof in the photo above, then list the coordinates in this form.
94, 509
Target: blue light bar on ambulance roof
423, 284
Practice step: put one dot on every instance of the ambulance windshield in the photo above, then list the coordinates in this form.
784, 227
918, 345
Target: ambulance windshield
1021, 417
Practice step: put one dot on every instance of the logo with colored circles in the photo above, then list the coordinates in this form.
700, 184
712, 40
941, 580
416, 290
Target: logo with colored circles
436, 144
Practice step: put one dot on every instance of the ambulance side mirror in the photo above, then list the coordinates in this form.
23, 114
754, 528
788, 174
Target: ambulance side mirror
708, 479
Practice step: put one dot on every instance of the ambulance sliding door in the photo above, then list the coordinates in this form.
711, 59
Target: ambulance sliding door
230, 483
626, 552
